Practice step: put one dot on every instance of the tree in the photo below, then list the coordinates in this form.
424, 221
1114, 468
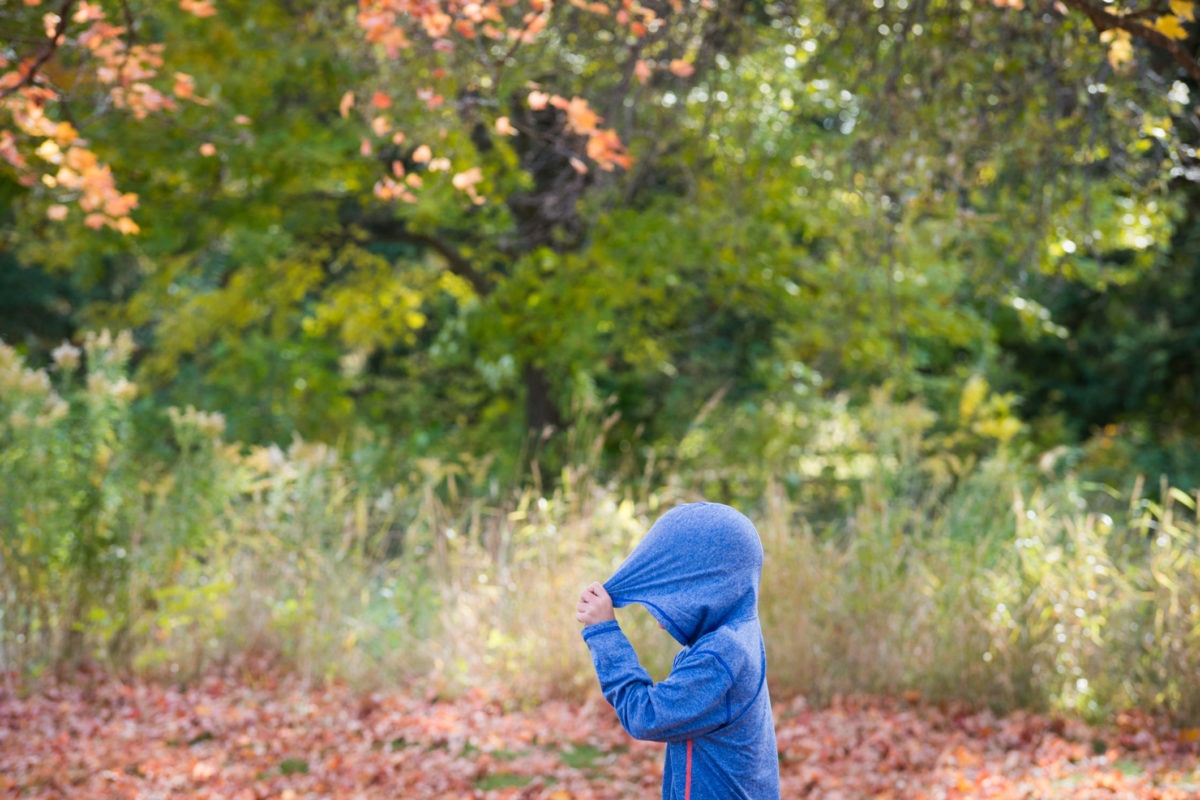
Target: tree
666, 201
67, 61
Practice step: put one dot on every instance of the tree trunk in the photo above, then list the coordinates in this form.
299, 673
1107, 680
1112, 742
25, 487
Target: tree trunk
541, 412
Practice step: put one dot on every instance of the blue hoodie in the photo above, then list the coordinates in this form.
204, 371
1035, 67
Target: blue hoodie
697, 572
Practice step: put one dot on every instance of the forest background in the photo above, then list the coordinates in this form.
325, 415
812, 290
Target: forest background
359, 337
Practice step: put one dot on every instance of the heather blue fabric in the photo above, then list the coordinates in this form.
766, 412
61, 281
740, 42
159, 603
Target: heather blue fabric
697, 572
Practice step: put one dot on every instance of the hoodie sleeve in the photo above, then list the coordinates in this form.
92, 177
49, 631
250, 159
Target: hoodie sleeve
693, 700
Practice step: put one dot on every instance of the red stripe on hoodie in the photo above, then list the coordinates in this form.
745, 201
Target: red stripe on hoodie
687, 775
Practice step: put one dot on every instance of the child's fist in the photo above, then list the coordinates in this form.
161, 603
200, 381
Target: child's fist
594, 606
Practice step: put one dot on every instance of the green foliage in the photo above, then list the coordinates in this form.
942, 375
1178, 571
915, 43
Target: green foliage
242, 200
86, 528
1120, 376
815, 197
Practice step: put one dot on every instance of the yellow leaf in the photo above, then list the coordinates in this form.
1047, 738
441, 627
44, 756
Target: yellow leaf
1170, 27
973, 394
1120, 47
65, 133
1184, 9
50, 151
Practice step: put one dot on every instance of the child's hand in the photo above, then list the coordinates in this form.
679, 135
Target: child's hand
594, 606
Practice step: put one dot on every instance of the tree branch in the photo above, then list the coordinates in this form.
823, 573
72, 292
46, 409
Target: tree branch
48, 51
1103, 20
394, 229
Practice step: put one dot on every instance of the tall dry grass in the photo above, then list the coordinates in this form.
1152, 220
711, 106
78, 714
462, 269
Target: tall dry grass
981, 585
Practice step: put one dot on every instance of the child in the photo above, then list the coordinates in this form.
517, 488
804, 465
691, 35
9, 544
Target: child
697, 572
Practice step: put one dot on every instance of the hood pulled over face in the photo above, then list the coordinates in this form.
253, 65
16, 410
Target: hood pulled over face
697, 568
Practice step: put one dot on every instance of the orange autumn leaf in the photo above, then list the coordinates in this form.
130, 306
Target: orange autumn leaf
431, 98
504, 127
534, 24
65, 133
87, 12
605, 148
199, 8
464, 180
185, 89
580, 116
467, 181
437, 24
185, 86
681, 68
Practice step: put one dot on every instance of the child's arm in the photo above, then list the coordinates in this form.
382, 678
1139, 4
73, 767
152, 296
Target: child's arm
693, 700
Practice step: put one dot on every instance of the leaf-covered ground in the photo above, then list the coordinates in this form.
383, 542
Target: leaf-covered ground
275, 739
